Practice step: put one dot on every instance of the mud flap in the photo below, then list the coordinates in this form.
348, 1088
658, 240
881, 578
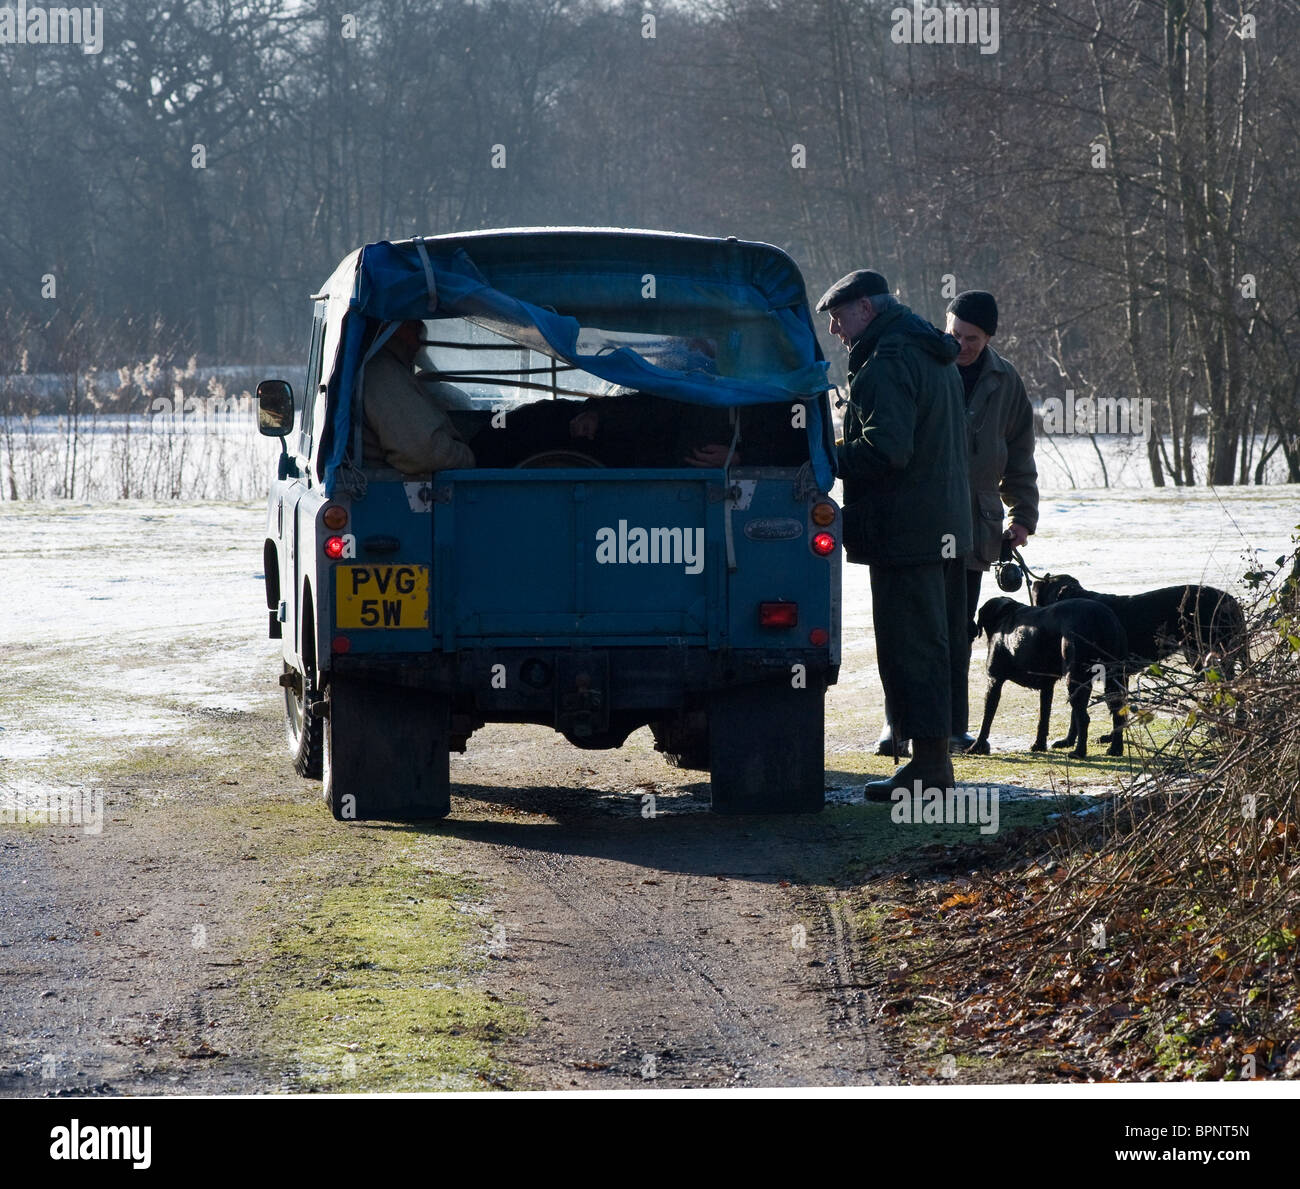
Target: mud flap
766, 750
386, 752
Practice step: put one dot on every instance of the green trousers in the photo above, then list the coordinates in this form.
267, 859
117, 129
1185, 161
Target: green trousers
922, 646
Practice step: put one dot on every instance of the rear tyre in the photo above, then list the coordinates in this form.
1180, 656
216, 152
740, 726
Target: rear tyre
386, 752
766, 750
684, 741
303, 731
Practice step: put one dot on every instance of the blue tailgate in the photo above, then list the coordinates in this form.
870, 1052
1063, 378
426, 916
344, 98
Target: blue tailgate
576, 556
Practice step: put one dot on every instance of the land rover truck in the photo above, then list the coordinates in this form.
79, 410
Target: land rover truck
594, 582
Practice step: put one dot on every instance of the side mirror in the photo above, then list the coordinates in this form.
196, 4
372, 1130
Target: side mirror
274, 408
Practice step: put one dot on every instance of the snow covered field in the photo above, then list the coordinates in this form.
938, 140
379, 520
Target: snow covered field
121, 622
206, 447
200, 450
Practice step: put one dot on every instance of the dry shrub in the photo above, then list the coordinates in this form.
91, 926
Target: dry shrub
1155, 934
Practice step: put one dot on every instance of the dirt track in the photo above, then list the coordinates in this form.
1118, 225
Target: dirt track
682, 950
688, 949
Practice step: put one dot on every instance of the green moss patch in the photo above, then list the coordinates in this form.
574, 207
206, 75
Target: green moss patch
371, 983
359, 955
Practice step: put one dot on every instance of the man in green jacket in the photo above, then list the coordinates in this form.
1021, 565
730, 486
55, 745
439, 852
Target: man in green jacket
907, 512
1000, 420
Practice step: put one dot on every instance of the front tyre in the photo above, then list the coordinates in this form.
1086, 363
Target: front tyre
303, 731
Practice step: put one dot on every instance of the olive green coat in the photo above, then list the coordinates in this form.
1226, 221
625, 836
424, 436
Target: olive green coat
1000, 421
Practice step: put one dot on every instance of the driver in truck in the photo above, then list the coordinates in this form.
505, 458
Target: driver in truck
406, 423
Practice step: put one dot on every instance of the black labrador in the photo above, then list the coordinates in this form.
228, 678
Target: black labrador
1035, 647
1206, 624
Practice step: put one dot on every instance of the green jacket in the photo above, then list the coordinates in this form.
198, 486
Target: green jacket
907, 493
1002, 469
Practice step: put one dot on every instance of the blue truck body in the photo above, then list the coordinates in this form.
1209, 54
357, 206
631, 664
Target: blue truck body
702, 602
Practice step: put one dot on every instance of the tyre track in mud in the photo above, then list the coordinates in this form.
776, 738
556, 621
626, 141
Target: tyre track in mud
116, 964
850, 1007
683, 952
648, 953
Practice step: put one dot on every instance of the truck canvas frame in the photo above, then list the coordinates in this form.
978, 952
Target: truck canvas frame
593, 586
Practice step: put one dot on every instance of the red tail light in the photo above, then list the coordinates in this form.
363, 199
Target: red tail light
778, 615
334, 547
818, 637
824, 544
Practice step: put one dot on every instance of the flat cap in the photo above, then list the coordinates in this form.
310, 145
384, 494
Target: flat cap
863, 282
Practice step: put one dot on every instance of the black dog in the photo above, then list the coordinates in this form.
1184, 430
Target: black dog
1035, 646
1206, 624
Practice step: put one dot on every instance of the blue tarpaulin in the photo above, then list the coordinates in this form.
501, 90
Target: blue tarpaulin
746, 300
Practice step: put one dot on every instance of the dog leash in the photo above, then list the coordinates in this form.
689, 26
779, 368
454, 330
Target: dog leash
1024, 565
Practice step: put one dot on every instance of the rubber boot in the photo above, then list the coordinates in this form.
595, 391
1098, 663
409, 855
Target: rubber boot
887, 745
931, 766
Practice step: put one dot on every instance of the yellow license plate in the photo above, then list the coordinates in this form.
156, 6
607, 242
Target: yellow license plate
381, 596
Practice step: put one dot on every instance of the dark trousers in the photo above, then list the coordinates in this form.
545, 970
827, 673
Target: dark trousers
922, 646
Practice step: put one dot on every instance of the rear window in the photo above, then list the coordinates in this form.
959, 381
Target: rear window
494, 372
490, 374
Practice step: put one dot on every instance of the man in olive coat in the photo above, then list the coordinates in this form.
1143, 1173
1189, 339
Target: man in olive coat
907, 511
1002, 468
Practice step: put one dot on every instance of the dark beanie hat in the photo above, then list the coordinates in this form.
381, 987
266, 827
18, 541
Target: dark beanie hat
976, 307
864, 282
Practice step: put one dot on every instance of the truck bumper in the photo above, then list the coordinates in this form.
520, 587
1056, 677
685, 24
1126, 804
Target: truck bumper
592, 694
